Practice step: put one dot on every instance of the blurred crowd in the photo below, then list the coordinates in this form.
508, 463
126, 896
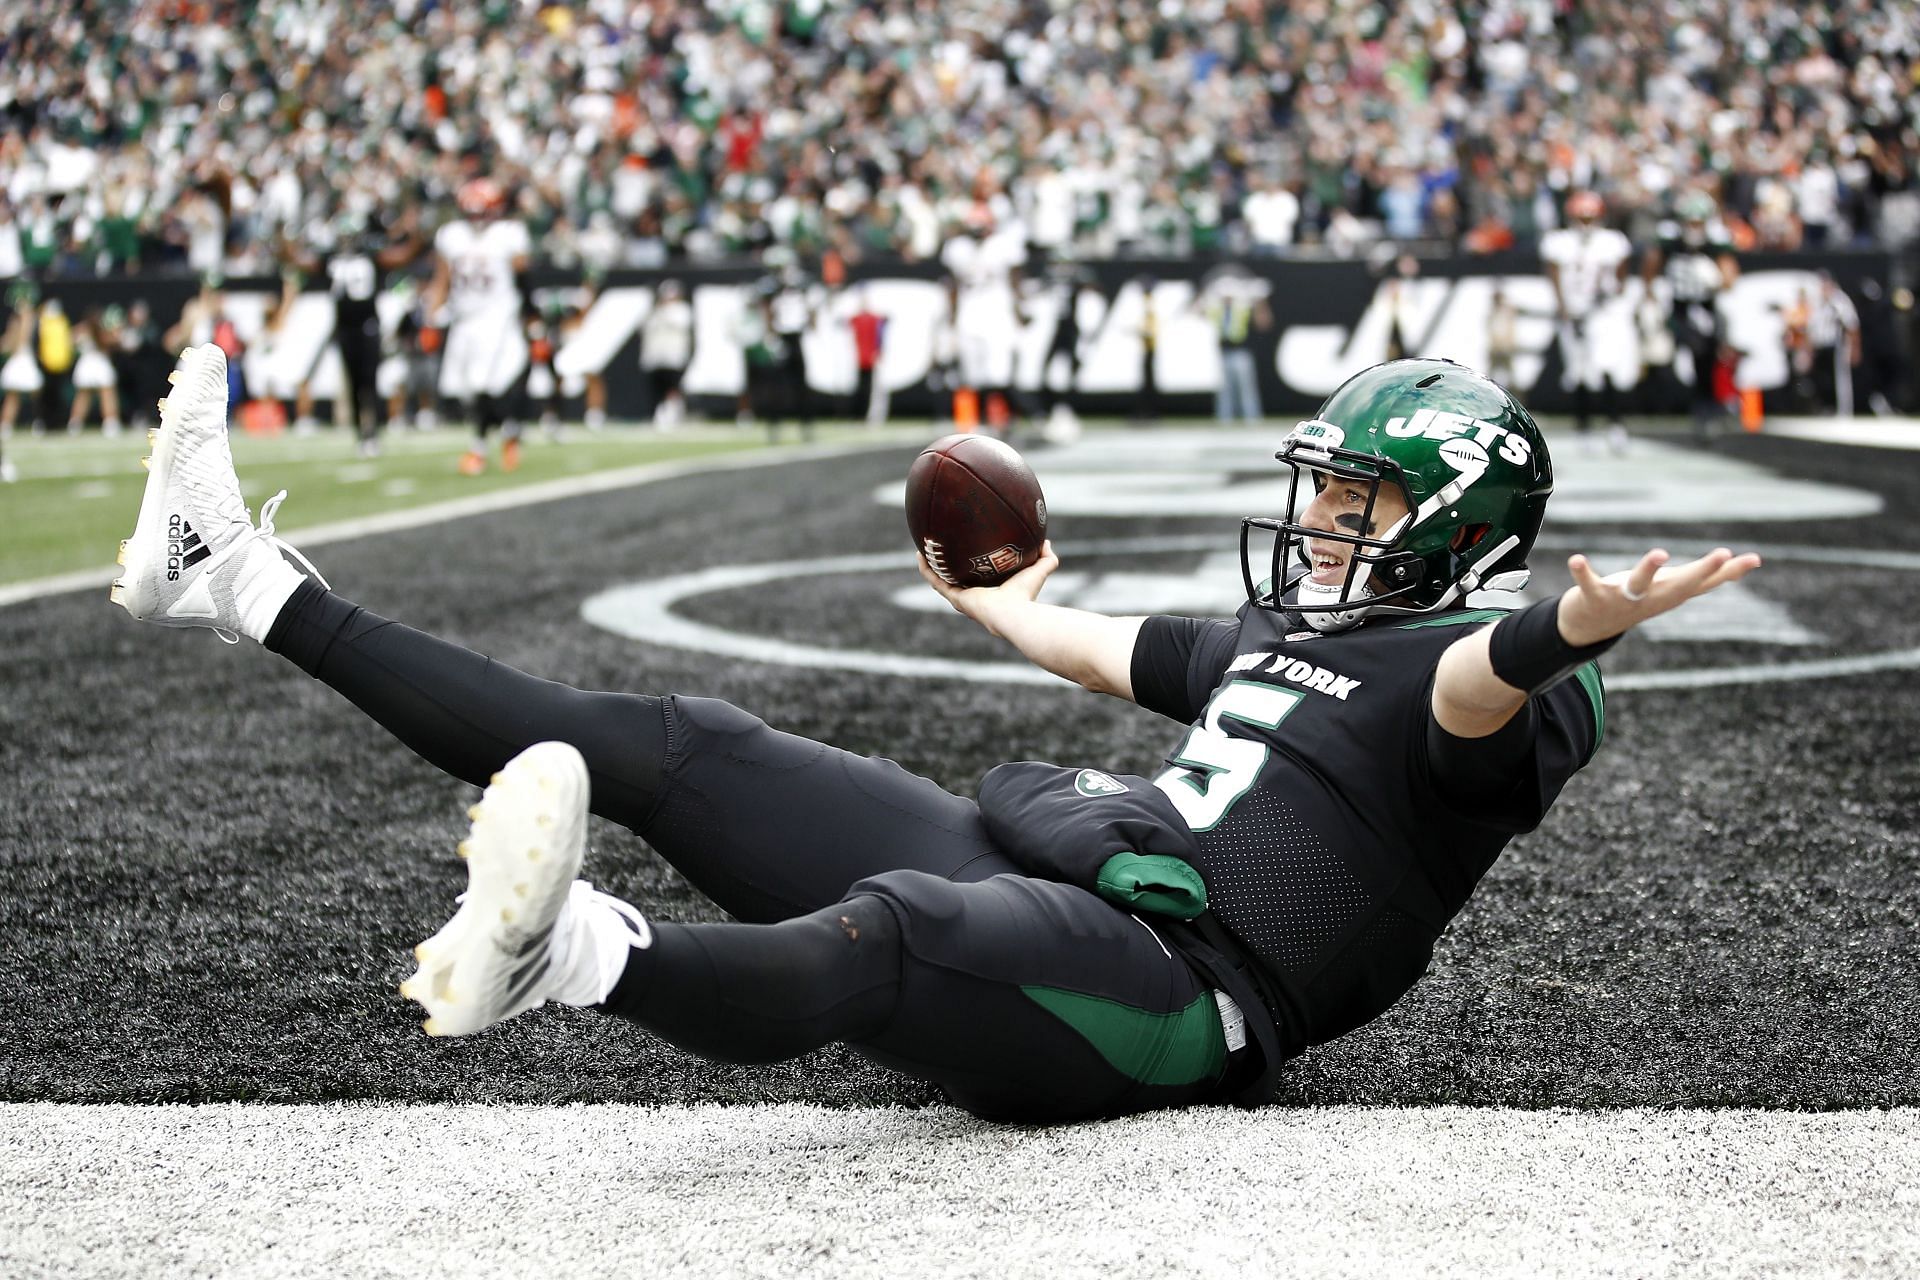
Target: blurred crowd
209, 135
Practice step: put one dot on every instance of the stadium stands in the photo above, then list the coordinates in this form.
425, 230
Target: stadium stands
194, 135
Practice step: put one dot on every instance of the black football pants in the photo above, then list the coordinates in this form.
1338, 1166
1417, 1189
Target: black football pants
876, 912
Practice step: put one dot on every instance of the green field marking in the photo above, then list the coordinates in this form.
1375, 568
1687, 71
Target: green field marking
77, 496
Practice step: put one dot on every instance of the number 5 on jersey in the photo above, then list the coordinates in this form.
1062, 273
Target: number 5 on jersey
1213, 769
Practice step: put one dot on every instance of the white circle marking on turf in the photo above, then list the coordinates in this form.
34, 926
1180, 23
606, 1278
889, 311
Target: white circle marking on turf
644, 611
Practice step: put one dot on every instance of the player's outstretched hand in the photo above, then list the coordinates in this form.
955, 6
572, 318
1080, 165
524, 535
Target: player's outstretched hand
977, 602
1595, 608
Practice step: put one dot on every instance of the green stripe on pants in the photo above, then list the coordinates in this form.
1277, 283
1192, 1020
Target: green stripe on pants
1177, 1048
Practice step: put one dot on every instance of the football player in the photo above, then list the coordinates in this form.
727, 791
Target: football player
986, 258
666, 349
1586, 262
1355, 748
1696, 260
478, 261
1068, 287
361, 254
791, 312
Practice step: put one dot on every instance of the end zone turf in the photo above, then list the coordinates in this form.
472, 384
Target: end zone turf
790, 1191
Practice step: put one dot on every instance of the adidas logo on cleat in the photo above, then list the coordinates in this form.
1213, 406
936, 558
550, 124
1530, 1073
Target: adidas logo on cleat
184, 547
532, 966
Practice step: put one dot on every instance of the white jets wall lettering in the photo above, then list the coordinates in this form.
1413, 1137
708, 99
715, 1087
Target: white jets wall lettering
1449, 318
1436, 316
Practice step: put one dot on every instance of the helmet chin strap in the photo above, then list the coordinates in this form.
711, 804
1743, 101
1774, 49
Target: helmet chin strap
1332, 620
1356, 592
1310, 592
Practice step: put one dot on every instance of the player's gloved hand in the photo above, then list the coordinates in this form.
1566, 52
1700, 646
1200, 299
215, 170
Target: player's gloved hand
1116, 834
1596, 608
980, 603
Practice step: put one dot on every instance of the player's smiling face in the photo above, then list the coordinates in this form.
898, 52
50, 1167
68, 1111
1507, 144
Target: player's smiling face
1341, 504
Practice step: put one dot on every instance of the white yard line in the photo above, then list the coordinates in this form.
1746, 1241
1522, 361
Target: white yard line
499, 500
1870, 433
780, 1191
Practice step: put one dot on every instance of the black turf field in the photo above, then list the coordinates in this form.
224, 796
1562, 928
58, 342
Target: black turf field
213, 869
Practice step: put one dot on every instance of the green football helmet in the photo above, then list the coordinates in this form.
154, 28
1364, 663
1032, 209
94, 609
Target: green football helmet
1468, 461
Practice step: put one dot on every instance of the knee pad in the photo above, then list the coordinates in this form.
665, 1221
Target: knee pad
716, 742
927, 910
816, 961
913, 893
866, 917
713, 715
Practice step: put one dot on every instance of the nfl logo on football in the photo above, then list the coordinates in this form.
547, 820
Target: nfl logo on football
996, 562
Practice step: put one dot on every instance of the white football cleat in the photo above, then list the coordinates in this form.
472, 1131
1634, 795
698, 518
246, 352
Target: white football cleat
496, 957
195, 558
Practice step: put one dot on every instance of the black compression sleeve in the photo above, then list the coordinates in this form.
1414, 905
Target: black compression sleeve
466, 713
1528, 652
767, 992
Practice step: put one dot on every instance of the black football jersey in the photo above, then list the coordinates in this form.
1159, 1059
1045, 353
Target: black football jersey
1332, 853
1692, 268
354, 277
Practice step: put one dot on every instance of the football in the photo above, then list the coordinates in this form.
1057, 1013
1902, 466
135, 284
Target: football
975, 510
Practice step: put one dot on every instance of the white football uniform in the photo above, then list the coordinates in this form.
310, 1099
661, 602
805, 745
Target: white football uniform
985, 323
666, 339
486, 349
1589, 266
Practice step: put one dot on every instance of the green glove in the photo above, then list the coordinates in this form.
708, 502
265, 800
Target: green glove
1155, 882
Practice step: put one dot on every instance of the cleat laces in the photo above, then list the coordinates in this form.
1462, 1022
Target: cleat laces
265, 531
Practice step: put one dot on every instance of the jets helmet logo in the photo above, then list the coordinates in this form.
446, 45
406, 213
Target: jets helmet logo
1440, 424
